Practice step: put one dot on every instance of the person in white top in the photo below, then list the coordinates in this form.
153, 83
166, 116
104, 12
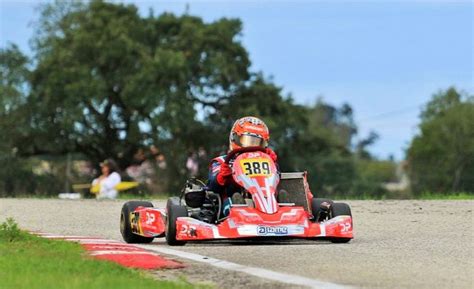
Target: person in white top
108, 180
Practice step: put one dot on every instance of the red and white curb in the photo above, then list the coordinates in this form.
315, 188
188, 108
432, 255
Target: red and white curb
124, 254
142, 256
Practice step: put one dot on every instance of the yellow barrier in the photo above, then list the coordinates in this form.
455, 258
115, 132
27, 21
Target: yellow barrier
123, 186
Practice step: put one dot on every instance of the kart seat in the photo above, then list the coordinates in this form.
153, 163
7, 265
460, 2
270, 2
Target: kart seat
295, 184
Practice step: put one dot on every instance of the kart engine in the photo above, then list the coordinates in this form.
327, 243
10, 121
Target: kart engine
204, 204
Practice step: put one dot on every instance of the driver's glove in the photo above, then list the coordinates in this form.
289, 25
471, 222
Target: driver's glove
224, 175
272, 154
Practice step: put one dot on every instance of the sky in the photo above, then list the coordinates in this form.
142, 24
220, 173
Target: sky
384, 58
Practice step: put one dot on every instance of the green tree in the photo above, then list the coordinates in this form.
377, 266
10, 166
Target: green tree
326, 148
314, 139
14, 74
107, 81
441, 156
371, 175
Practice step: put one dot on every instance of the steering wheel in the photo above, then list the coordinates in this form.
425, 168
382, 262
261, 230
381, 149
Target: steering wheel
235, 152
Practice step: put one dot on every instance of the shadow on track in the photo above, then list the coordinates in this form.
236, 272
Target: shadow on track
254, 242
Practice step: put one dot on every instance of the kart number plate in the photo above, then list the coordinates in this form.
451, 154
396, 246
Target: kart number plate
256, 167
272, 230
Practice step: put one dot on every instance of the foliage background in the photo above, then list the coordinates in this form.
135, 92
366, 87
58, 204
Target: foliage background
105, 82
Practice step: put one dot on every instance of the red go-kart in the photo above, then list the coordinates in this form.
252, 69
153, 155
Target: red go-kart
271, 205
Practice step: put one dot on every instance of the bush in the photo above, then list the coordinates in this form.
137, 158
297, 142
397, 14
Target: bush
18, 178
9, 231
371, 175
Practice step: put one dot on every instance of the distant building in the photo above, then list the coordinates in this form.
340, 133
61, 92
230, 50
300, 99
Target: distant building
403, 183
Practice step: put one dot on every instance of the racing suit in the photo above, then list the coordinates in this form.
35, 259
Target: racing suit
225, 191
229, 188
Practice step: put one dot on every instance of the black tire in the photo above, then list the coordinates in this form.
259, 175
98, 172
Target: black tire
316, 205
174, 211
125, 225
340, 209
173, 201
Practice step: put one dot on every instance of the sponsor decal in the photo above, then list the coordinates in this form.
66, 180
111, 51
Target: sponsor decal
150, 218
188, 230
345, 227
272, 231
262, 230
251, 119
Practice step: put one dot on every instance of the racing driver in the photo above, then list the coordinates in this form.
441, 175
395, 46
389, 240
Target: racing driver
246, 132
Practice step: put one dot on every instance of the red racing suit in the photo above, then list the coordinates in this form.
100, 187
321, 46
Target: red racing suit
213, 184
230, 187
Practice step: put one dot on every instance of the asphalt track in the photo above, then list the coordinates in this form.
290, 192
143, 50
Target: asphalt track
398, 244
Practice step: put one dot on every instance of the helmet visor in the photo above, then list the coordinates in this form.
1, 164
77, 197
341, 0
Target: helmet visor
250, 141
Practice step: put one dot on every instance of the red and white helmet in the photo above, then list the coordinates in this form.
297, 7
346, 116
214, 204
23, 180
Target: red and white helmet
248, 131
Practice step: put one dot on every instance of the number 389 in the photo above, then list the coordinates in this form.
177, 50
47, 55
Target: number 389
252, 168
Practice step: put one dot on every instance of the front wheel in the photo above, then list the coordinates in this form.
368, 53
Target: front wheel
340, 209
174, 211
125, 222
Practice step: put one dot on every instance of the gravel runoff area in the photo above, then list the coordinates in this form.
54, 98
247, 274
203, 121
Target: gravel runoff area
398, 244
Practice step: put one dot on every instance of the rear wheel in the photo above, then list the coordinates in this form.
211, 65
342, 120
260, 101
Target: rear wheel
316, 209
125, 223
174, 211
340, 209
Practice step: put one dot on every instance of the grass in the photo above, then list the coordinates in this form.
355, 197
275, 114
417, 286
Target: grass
451, 196
130, 196
121, 196
30, 262
407, 196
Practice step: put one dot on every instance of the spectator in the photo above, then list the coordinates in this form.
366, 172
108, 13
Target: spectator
192, 164
158, 156
135, 170
108, 180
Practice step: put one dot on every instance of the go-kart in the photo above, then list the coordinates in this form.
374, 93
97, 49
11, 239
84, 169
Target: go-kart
272, 204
